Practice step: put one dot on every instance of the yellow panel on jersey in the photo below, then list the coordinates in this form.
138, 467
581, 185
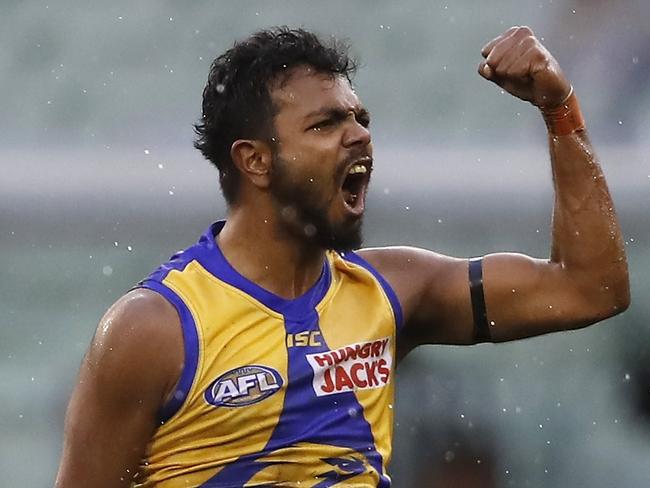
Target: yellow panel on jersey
295, 392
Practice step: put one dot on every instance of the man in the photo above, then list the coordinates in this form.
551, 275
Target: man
264, 355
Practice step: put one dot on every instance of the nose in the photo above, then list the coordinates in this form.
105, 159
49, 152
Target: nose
356, 134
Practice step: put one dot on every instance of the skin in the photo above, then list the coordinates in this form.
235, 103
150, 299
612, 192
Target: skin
136, 356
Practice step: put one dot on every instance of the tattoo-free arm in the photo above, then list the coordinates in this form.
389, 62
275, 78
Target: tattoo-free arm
131, 365
584, 280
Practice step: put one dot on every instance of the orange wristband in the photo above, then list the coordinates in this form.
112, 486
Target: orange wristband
565, 119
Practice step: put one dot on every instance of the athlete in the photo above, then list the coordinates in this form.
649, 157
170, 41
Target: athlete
264, 354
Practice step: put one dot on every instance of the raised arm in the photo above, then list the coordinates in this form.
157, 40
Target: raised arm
585, 279
131, 366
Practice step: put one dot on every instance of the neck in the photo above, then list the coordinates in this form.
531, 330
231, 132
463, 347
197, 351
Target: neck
255, 245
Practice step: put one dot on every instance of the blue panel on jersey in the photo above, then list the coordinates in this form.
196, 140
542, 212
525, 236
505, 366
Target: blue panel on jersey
190, 345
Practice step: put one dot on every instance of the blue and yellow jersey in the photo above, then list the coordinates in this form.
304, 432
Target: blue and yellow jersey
276, 392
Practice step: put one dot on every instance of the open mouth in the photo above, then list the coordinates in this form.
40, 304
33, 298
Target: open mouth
355, 184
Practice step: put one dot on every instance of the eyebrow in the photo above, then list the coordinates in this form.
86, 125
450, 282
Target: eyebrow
338, 113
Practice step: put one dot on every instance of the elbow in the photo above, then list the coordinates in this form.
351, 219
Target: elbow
623, 298
612, 298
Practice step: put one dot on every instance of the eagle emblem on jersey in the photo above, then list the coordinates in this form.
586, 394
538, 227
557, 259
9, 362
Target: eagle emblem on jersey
296, 465
243, 386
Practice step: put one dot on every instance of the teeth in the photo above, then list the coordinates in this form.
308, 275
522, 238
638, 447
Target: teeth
358, 169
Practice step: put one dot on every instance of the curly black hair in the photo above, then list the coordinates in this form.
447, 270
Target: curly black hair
236, 100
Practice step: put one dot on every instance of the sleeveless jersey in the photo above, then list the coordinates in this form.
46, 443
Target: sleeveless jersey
276, 392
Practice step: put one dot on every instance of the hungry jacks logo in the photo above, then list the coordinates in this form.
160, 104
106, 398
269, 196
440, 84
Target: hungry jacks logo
360, 366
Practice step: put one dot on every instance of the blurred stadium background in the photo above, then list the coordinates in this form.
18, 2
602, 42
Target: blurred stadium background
99, 183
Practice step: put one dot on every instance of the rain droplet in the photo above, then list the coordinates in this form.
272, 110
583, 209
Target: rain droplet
160, 166
146, 151
310, 230
107, 270
220, 88
129, 248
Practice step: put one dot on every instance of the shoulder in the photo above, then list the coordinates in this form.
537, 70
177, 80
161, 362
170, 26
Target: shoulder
412, 265
426, 283
138, 341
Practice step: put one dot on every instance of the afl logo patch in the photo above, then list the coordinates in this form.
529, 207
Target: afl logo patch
243, 386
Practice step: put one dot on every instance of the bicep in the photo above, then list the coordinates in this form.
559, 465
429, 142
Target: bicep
121, 386
526, 297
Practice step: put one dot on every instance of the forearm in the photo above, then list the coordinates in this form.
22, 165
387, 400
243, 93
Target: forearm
587, 240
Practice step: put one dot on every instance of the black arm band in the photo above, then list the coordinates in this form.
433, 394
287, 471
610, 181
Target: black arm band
481, 327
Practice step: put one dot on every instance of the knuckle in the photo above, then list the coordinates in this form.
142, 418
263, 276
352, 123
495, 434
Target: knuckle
528, 42
524, 29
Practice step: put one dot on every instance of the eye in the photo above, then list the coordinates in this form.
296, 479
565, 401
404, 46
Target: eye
323, 124
364, 119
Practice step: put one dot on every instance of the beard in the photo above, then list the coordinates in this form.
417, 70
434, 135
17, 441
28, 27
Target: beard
304, 212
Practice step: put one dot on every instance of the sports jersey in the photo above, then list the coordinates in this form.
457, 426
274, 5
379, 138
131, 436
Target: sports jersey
276, 392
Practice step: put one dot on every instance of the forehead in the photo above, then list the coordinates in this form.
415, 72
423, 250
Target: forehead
305, 91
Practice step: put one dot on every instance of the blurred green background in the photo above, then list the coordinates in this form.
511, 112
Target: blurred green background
99, 183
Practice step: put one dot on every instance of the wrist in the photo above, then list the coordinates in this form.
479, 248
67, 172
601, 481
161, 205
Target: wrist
566, 118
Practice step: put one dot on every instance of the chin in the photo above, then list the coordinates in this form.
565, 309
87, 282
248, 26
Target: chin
342, 238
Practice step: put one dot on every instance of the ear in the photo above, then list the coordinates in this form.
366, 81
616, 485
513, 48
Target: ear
254, 159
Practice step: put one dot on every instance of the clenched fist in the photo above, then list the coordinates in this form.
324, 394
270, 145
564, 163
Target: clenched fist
518, 63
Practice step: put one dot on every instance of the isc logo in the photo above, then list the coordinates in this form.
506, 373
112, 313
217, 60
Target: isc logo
243, 386
304, 338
